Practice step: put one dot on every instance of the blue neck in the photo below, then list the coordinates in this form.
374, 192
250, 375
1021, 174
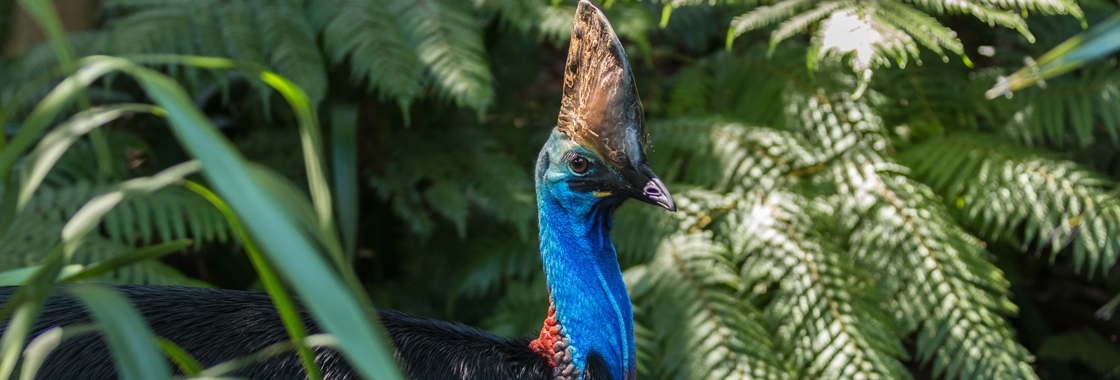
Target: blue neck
585, 281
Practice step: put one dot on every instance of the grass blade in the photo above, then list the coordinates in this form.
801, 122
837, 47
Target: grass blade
293, 322
40, 161
187, 363
40, 347
134, 347
132, 257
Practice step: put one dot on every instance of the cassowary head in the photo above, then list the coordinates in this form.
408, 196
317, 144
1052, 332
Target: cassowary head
598, 146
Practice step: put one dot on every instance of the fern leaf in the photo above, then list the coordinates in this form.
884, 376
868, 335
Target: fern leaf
448, 40
825, 319
369, 36
292, 50
765, 15
551, 22
1068, 109
721, 155
1053, 201
240, 33
690, 293
948, 289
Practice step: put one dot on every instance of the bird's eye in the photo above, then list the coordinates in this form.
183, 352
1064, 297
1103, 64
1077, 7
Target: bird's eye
579, 164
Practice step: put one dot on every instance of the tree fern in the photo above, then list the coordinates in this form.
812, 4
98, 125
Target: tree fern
1053, 202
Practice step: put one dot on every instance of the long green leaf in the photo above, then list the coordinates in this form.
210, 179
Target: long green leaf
346, 313
134, 348
310, 136
40, 161
317, 340
43, 12
344, 149
187, 363
20, 276
135, 256
290, 316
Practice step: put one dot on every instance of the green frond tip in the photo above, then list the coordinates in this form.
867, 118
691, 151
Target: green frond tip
666, 11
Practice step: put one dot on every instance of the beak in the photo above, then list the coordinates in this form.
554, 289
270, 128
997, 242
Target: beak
647, 187
656, 193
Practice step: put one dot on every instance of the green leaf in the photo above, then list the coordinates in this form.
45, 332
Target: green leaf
115, 263
364, 34
184, 360
54, 144
292, 249
39, 348
289, 315
344, 153
135, 352
1099, 41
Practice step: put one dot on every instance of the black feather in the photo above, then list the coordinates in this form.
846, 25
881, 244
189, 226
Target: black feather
217, 325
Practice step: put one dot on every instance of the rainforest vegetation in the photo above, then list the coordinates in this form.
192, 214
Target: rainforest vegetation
851, 203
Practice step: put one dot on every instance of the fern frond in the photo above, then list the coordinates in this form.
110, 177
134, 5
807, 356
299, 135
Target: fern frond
715, 86
1069, 110
941, 279
722, 155
1053, 202
691, 293
547, 21
474, 170
448, 40
764, 16
824, 313
921, 26
496, 259
39, 228
240, 31
1084, 346
880, 31
926, 100
291, 48
364, 32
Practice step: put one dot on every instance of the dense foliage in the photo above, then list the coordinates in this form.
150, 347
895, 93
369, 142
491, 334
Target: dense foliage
851, 205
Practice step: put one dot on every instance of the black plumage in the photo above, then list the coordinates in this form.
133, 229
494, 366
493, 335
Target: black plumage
219, 325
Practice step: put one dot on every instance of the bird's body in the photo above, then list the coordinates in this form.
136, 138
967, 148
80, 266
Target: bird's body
592, 162
212, 325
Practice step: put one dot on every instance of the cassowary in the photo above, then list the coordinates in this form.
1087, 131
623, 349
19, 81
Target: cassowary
593, 161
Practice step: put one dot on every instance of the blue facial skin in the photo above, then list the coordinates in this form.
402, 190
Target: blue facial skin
580, 262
